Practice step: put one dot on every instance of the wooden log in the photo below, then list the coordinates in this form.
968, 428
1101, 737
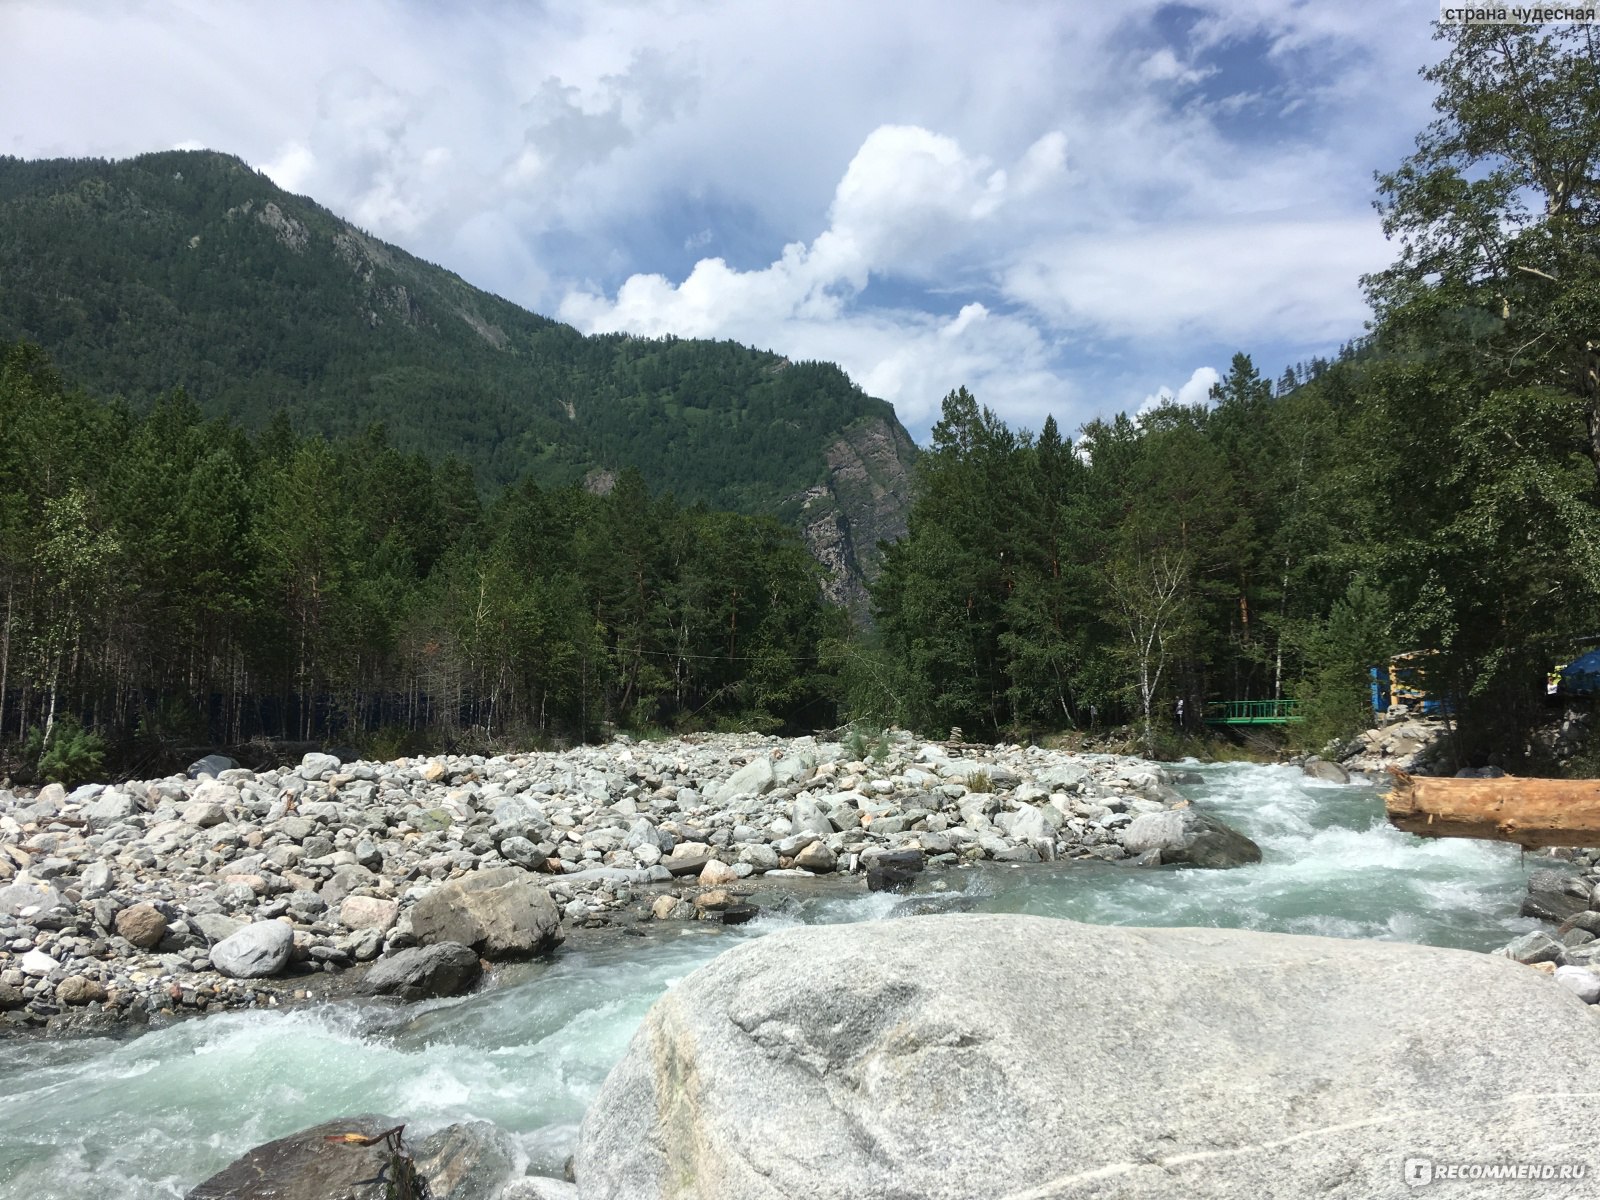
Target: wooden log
1527, 812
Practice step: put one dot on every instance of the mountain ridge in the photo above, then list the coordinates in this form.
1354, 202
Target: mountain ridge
191, 269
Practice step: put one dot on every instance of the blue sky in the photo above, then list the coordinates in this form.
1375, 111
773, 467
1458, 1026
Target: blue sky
1068, 207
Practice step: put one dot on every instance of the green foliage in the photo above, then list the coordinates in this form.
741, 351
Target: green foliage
188, 269
867, 744
979, 781
180, 580
69, 756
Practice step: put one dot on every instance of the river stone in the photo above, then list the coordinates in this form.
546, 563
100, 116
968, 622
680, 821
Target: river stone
307, 1166
79, 989
755, 778
315, 766
257, 951
1531, 948
1321, 768
817, 858
422, 972
954, 1056
466, 1161
369, 912
110, 808
1554, 896
892, 870
759, 857
687, 858
212, 765
1581, 982
142, 924
716, 873
204, 813
1186, 835
500, 913
35, 902
215, 927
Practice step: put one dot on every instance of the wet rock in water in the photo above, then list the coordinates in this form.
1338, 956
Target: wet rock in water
671, 908
1554, 896
257, 951
309, 1166
423, 972
959, 1056
1190, 837
467, 1161
1319, 768
892, 870
501, 913
738, 914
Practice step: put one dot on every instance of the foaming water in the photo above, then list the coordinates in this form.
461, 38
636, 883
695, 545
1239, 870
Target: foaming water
1331, 865
151, 1116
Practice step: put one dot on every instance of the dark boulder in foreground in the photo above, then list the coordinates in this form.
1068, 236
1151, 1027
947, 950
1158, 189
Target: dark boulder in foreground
321, 1163
1000, 1055
423, 972
1188, 837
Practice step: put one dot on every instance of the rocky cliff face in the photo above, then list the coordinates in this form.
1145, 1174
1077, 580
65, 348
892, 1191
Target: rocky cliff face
865, 500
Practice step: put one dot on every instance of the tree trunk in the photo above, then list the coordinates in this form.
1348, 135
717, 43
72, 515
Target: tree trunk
1527, 812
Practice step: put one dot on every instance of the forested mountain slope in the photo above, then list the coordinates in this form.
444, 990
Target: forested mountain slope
189, 269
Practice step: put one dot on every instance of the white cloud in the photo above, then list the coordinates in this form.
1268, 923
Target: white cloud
1195, 390
1050, 203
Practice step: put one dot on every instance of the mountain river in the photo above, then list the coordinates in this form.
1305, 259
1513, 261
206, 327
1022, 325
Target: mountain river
152, 1114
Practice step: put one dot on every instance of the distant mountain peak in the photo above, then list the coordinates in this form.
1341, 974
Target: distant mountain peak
189, 268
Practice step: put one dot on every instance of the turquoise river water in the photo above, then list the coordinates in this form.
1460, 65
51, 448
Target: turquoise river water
152, 1115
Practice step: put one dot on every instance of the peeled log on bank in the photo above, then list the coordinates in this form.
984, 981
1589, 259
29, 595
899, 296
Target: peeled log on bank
1528, 812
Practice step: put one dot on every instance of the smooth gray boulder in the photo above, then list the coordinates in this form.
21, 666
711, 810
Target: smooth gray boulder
955, 1056
423, 972
1189, 837
503, 913
257, 951
308, 1166
755, 778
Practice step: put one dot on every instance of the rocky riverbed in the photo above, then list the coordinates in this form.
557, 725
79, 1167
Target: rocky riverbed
228, 888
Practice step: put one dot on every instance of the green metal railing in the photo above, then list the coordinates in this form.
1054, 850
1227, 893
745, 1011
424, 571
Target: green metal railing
1253, 712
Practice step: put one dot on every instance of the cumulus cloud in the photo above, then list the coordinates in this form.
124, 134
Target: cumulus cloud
1196, 390
1052, 204
909, 200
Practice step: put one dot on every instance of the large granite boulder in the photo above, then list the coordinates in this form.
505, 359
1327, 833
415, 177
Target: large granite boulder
503, 913
956, 1056
1189, 837
258, 951
309, 1166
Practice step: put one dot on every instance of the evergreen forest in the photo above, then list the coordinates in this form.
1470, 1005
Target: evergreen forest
1433, 487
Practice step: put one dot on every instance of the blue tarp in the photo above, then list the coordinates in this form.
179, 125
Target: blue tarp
1582, 674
